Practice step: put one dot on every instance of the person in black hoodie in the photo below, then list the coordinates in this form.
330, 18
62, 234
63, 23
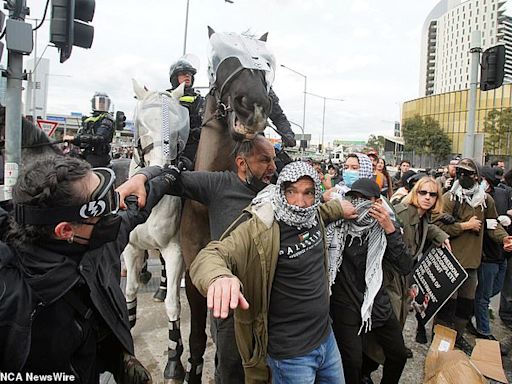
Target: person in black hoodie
359, 304
491, 273
62, 310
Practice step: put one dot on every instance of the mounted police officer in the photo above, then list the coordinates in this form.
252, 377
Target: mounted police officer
97, 132
182, 71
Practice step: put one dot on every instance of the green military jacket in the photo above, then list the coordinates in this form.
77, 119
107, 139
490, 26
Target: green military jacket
415, 232
467, 245
250, 252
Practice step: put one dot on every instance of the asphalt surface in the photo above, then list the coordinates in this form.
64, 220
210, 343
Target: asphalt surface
150, 337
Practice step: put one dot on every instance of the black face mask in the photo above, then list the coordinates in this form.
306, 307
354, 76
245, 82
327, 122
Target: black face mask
105, 231
466, 182
254, 183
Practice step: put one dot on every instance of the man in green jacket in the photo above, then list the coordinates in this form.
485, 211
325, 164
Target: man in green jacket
466, 208
278, 259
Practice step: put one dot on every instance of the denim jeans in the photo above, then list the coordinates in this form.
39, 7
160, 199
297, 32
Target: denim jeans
322, 365
490, 282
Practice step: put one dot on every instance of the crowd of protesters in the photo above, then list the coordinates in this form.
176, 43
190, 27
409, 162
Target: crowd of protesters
314, 282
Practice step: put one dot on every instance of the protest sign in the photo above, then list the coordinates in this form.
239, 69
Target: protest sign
436, 277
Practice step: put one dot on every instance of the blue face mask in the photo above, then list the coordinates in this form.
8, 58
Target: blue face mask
349, 177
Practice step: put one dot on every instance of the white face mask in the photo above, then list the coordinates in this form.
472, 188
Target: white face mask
484, 185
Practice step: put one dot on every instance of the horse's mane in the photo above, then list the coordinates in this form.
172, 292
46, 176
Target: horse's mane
30, 135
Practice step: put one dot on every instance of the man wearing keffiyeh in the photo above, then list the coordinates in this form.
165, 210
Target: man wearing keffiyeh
359, 303
278, 259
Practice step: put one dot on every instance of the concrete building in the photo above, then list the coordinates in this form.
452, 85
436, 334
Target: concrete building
445, 56
36, 93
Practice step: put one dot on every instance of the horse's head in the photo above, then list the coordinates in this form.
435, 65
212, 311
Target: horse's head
161, 125
241, 71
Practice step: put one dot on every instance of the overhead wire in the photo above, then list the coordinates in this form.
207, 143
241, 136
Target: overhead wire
44, 16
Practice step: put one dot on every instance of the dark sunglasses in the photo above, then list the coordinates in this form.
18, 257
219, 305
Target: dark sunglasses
464, 172
424, 193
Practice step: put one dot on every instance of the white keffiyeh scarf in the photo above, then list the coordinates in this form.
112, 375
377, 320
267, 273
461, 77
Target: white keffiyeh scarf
291, 214
475, 196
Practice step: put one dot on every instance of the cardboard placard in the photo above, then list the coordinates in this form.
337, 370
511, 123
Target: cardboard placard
436, 277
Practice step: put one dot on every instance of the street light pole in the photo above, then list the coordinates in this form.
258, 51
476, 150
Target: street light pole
186, 30
305, 91
323, 117
186, 25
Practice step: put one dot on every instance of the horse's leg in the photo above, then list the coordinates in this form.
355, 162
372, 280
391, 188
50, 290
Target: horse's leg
174, 266
194, 235
161, 293
133, 258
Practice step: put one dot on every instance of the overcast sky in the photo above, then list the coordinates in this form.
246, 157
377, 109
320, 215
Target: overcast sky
363, 51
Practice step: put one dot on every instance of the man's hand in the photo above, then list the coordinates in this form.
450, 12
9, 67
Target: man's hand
381, 214
472, 224
224, 294
349, 211
133, 186
507, 243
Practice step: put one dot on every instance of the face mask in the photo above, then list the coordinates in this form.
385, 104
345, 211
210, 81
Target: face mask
104, 231
253, 183
484, 185
466, 182
349, 177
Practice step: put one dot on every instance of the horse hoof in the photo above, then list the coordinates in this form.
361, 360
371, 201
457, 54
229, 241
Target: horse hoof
145, 277
174, 370
194, 373
160, 295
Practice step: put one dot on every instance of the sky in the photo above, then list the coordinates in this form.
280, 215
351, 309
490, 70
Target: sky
366, 52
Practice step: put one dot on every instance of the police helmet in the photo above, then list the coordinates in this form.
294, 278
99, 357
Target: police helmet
100, 102
178, 67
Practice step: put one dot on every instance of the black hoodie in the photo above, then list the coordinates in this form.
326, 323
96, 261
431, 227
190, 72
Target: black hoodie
57, 303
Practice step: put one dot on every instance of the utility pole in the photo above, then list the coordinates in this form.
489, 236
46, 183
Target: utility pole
475, 49
19, 43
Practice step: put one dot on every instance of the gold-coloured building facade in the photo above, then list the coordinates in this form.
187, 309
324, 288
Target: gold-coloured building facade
451, 110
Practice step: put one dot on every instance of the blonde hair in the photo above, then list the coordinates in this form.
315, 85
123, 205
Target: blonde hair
412, 197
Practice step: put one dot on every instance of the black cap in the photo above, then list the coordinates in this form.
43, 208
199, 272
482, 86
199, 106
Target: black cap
366, 187
490, 174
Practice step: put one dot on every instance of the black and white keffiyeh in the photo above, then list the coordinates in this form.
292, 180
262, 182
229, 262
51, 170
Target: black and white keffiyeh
283, 211
474, 196
364, 228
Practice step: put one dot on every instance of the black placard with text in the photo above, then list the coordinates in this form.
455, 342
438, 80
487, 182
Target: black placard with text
435, 278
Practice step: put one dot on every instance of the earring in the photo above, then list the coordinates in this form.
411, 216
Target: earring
70, 240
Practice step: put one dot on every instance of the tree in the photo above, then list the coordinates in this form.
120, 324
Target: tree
497, 128
425, 137
376, 142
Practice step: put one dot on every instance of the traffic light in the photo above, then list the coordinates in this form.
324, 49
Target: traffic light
493, 68
120, 120
69, 26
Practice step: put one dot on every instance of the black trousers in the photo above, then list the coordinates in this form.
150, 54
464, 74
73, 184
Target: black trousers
346, 324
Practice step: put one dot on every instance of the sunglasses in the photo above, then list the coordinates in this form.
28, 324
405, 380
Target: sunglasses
464, 172
424, 193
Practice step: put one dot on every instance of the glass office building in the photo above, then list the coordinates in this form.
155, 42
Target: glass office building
451, 111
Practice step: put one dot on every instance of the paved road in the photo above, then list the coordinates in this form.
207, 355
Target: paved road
150, 336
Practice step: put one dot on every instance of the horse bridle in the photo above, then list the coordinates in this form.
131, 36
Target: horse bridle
165, 134
221, 109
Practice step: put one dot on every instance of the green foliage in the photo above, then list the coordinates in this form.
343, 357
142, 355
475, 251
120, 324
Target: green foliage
376, 142
498, 129
425, 137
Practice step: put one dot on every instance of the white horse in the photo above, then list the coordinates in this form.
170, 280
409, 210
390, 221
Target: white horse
157, 115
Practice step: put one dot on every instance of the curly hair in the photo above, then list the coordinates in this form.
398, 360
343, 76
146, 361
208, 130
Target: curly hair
47, 182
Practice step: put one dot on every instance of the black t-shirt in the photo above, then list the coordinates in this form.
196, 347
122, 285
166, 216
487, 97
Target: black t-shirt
299, 301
